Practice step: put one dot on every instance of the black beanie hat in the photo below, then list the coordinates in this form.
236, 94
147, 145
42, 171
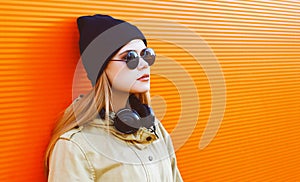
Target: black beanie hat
101, 36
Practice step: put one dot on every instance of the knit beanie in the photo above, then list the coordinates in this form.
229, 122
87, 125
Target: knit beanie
101, 37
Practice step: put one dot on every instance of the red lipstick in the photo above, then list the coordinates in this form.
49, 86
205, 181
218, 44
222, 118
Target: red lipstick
144, 77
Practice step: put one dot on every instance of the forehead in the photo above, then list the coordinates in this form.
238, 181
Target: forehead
135, 44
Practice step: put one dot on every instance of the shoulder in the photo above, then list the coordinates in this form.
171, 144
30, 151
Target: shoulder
165, 136
71, 141
70, 134
69, 160
69, 147
68, 141
161, 129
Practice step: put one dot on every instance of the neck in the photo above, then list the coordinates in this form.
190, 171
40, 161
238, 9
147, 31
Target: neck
119, 99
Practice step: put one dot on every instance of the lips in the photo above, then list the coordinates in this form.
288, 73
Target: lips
144, 77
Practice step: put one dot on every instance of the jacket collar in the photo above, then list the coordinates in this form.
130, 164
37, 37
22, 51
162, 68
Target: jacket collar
140, 139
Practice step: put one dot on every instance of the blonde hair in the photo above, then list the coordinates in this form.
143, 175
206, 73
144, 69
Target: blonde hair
84, 111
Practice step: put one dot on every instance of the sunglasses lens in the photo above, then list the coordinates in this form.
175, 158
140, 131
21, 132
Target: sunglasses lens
132, 60
148, 55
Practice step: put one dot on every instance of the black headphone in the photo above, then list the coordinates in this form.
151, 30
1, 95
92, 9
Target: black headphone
129, 120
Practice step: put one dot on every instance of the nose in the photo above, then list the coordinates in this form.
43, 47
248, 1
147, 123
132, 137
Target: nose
142, 64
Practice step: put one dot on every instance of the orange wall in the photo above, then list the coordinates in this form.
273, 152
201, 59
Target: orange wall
255, 49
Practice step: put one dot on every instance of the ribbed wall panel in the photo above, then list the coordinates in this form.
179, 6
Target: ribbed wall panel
255, 43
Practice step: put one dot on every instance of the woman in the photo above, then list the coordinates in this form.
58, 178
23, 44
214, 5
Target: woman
111, 134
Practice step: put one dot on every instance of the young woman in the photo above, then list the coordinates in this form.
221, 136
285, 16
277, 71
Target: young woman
111, 134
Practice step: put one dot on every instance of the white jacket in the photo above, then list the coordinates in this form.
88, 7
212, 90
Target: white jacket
94, 153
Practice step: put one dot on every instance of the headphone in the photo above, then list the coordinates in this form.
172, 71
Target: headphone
130, 119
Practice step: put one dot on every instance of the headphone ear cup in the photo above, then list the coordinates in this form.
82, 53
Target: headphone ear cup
148, 121
127, 121
135, 112
137, 105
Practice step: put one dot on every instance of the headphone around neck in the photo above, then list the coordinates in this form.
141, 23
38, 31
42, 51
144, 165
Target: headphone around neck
130, 119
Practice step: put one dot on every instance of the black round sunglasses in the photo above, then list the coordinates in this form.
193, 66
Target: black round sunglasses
132, 58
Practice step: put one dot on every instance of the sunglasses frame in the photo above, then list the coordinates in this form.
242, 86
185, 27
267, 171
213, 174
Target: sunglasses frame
133, 64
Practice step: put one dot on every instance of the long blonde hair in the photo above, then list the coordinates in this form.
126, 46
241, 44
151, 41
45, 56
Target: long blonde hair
84, 111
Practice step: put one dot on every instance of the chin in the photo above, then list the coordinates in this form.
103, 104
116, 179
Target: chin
139, 91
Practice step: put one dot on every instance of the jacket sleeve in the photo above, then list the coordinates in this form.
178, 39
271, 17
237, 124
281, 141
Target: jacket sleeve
176, 173
69, 163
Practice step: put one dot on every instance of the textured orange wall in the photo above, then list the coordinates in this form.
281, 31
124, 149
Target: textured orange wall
257, 45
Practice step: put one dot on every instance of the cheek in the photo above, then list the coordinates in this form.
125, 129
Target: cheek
121, 77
